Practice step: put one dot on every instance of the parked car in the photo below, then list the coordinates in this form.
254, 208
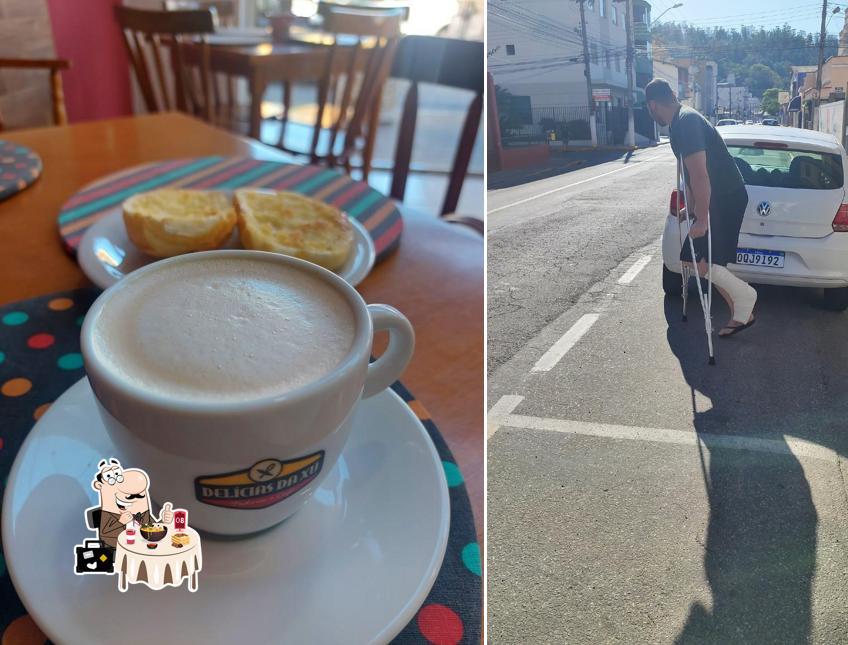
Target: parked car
726, 122
795, 229
749, 122
770, 122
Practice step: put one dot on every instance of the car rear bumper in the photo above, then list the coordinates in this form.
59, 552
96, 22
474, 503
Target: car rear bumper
810, 262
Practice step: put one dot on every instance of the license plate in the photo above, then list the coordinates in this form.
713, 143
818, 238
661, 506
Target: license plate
760, 258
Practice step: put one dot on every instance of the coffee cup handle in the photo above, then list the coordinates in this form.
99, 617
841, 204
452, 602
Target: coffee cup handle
388, 368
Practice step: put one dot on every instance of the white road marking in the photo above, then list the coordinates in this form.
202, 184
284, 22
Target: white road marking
633, 271
788, 446
560, 348
504, 406
576, 183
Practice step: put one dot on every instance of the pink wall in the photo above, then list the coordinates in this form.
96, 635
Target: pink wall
98, 84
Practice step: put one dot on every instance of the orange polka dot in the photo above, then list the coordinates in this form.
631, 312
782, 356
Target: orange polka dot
41, 409
23, 631
16, 387
60, 304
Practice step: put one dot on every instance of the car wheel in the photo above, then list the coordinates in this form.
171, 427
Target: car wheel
836, 299
672, 282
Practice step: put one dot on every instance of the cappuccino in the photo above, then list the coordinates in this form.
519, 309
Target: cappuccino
224, 329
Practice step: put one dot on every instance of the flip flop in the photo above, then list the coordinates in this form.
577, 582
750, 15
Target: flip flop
736, 329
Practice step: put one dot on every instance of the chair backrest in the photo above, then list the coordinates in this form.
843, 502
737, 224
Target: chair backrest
440, 61
153, 31
363, 22
353, 79
225, 12
57, 94
92, 517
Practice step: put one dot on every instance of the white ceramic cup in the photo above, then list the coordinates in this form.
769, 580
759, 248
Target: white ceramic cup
240, 467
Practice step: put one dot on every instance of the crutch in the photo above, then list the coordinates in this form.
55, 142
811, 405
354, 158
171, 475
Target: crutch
705, 298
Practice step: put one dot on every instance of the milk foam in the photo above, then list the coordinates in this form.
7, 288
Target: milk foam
225, 329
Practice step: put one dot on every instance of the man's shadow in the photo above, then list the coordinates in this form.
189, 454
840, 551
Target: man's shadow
775, 379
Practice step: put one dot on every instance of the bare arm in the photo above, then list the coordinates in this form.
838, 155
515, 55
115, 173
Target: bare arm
701, 190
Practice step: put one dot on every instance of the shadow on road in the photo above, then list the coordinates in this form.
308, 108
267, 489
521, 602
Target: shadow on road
781, 377
558, 164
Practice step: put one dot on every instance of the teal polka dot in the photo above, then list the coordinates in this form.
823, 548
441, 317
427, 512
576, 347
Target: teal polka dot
2, 357
15, 318
452, 473
79, 321
471, 557
70, 361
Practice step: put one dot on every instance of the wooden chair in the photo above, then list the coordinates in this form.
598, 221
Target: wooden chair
446, 62
55, 65
156, 34
349, 92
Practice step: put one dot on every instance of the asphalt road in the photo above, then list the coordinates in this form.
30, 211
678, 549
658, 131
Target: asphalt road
636, 494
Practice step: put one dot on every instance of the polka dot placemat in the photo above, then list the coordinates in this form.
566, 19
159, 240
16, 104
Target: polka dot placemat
19, 167
40, 359
378, 214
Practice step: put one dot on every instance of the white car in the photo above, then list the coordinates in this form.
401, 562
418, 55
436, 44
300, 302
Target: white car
723, 122
795, 229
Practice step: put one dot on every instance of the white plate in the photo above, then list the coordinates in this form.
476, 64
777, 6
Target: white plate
353, 566
761, 258
105, 253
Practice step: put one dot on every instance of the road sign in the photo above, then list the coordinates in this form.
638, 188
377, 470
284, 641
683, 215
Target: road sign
602, 94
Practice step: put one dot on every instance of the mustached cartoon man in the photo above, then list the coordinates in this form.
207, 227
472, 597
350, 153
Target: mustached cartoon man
124, 496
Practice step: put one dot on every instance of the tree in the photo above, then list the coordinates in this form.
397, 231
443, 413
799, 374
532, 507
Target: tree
762, 77
771, 102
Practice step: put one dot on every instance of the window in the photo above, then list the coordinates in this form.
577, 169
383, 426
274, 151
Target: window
608, 56
788, 168
614, 14
595, 58
618, 63
602, 7
510, 50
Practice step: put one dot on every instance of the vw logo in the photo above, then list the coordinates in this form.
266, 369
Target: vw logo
763, 208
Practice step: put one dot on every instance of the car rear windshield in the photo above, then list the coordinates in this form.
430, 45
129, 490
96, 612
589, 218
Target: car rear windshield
788, 168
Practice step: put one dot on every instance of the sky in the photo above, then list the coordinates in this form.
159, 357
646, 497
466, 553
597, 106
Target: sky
802, 14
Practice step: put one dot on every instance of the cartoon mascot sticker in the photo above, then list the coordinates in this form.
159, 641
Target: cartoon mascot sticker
131, 541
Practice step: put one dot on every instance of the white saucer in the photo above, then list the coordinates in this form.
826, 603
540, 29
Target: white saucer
106, 255
353, 566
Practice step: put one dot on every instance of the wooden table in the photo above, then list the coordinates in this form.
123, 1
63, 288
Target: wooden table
435, 277
269, 63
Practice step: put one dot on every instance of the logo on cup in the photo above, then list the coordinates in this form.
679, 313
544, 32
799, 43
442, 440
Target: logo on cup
265, 483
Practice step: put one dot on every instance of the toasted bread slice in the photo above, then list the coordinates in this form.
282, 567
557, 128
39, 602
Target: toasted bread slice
169, 222
295, 225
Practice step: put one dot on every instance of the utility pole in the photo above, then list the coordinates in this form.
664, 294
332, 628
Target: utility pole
587, 72
628, 24
821, 62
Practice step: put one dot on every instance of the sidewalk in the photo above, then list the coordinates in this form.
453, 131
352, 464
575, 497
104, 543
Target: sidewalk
562, 162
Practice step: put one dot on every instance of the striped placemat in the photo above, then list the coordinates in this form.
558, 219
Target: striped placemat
378, 214
19, 167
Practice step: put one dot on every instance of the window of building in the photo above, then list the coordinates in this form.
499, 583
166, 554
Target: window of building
602, 7
608, 57
595, 58
510, 50
614, 14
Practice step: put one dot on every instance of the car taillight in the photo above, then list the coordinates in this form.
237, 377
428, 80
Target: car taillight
840, 222
676, 201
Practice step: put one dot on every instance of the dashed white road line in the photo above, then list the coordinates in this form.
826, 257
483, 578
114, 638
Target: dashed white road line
634, 270
560, 348
505, 406
576, 183
788, 446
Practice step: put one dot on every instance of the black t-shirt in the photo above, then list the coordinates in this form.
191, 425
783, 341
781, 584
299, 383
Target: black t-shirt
690, 133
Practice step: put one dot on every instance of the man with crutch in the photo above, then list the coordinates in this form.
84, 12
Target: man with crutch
715, 204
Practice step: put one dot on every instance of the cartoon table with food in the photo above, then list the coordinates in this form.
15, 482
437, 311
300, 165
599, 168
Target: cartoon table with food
132, 542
